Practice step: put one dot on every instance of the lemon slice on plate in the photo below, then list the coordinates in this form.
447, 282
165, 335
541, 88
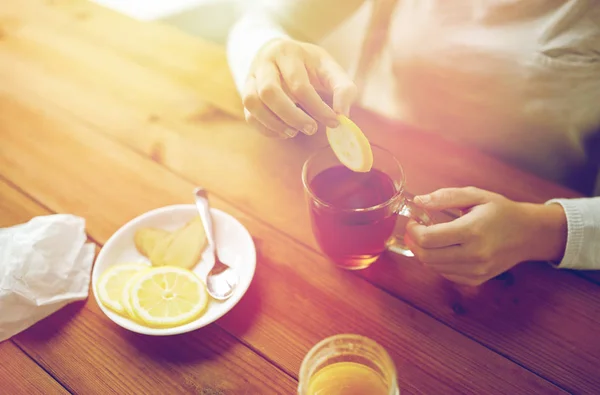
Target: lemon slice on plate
350, 145
112, 282
126, 296
168, 296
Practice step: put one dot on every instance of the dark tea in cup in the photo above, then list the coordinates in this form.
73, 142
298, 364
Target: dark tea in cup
353, 214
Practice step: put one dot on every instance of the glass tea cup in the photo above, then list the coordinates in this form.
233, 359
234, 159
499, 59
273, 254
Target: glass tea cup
355, 217
347, 364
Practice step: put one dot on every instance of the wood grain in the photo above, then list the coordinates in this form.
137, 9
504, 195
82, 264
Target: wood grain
162, 94
19, 374
165, 48
89, 354
287, 309
262, 178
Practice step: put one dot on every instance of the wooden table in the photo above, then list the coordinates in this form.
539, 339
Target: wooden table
107, 118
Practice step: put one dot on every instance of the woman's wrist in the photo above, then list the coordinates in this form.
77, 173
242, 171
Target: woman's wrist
546, 232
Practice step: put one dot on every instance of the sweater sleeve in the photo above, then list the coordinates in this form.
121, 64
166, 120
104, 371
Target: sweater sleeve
305, 20
246, 38
583, 240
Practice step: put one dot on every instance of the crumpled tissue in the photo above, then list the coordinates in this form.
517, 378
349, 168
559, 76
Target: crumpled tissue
45, 264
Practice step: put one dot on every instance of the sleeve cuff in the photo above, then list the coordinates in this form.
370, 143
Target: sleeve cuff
575, 235
245, 40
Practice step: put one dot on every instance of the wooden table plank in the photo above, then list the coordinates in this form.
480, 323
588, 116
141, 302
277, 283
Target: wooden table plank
19, 374
591, 275
90, 355
252, 171
288, 308
170, 48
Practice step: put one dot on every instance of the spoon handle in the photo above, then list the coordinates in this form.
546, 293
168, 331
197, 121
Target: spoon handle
201, 199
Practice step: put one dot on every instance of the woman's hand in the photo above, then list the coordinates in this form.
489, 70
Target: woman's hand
280, 96
493, 234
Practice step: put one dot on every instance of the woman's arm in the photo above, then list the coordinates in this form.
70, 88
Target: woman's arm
495, 233
304, 20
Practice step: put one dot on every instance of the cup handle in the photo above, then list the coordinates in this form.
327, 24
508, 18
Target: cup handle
410, 210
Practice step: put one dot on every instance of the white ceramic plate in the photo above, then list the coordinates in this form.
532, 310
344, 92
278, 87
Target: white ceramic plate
235, 245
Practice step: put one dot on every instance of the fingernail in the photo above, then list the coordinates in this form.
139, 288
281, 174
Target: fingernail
333, 123
309, 129
291, 132
422, 199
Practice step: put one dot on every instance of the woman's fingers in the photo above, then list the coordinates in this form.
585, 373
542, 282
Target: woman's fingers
257, 112
294, 74
281, 92
335, 79
448, 259
271, 94
256, 124
453, 198
440, 235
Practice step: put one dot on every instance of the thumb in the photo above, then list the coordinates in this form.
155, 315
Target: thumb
448, 198
336, 80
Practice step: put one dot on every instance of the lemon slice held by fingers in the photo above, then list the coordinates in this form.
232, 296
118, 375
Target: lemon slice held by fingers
350, 145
